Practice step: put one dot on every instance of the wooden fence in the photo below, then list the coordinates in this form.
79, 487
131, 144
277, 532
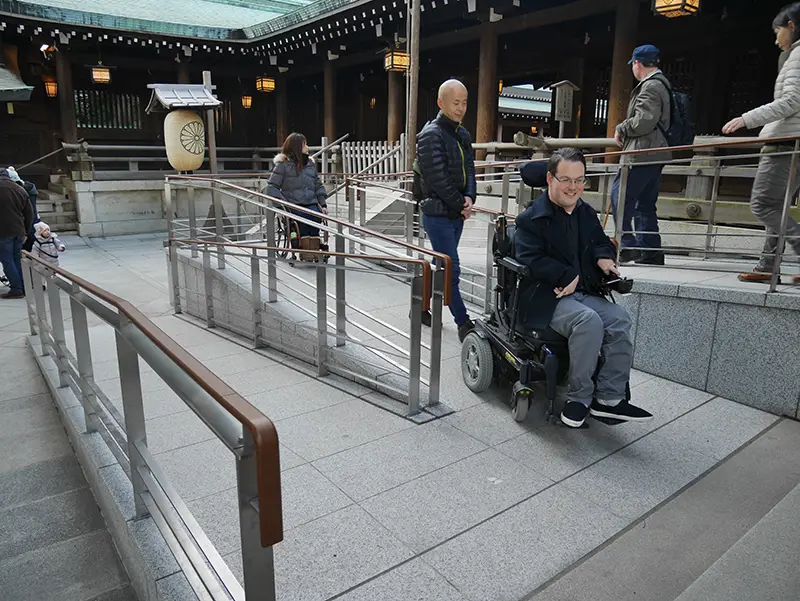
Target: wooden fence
357, 156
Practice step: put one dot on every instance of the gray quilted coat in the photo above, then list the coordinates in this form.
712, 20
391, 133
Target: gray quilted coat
303, 189
781, 117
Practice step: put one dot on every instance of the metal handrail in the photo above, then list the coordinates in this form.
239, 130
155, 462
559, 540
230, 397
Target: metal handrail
261, 428
427, 279
446, 261
43, 157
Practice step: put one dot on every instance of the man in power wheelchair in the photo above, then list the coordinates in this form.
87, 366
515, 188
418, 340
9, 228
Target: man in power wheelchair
555, 273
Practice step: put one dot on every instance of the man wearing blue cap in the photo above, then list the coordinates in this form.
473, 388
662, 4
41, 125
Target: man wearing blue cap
647, 121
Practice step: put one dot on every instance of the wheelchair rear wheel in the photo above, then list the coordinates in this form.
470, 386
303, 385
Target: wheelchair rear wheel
477, 363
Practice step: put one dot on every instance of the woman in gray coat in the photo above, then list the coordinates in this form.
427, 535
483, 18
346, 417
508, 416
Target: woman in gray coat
779, 118
295, 179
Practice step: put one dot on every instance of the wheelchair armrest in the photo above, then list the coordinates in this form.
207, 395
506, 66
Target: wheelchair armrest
514, 266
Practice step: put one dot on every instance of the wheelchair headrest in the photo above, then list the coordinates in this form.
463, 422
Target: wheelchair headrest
534, 174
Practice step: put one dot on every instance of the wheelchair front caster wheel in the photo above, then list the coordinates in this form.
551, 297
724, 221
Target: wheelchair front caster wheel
477, 363
520, 402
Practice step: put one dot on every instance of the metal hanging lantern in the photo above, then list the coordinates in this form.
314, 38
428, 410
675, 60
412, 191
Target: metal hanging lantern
676, 8
51, 88
101, 74
265, 84
247, 102
396, 60
500, 87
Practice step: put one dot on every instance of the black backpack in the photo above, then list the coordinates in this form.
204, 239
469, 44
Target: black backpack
681, 121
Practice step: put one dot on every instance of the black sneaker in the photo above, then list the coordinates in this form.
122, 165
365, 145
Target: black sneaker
574, 414
427, 318
624, 411
626, 255
464, 329
650, 258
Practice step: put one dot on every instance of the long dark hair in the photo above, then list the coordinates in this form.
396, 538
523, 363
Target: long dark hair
789, 14
293, 149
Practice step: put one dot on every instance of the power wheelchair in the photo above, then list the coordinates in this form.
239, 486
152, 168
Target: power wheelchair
497, 350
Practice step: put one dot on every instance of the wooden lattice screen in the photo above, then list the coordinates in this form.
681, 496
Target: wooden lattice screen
102, 109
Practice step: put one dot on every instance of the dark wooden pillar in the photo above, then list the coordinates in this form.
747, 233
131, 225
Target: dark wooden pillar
183, 73
282, 108
396, 100
487, 88
621, 77
330, 101
66, 97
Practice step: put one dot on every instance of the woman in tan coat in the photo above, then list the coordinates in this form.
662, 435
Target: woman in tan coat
779, 118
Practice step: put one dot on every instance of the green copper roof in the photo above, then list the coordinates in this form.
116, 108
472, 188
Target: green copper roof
220, 19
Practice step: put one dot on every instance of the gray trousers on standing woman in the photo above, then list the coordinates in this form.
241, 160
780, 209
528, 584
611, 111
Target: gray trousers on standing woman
592, 324
766, 203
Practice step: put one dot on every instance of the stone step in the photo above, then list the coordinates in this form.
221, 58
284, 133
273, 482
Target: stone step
762, 565
660, 556
50, 195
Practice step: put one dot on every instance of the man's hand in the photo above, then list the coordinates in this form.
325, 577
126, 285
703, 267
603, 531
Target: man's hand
561, 292
324, 210
466, 212
733, 125
608, 266
619, 139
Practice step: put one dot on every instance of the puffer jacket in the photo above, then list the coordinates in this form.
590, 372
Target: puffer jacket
304, 188
781, 117
447, 163
648, 117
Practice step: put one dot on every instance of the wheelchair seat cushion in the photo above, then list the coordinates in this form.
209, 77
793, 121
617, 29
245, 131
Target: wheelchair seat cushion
547, 336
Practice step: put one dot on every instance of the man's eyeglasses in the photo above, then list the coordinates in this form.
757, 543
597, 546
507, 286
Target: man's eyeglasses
581, 181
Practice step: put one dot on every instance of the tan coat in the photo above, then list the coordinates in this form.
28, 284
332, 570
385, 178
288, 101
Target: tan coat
649, 107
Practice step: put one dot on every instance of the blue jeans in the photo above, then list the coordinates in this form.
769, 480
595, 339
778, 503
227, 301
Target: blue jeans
11, 259
640, 206
444, 235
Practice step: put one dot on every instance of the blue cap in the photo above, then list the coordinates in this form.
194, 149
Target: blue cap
645, 54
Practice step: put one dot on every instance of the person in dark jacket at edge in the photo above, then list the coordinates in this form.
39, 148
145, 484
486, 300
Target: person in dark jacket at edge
559, 238
33, 195
447, 162
16, 220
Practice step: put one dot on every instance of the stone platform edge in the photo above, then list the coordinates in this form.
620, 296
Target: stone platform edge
153, 570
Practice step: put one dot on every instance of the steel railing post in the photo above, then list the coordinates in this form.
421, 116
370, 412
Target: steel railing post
272, 268
487, 293
415, 345
37, 282
83, 352
506, 190
258, 566
341, 287
351, 210
255, 299
175, 277
713, 208
623, 191
133, 409
168, 209
219, 225
27, 266
209, 286
59, 339
437, 298
787, 203
322, 319
192, 218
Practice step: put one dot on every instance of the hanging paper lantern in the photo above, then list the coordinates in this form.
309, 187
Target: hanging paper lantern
185, 139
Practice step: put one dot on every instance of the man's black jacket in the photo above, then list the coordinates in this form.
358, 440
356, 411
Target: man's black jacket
447, 162
16, 212
543, 247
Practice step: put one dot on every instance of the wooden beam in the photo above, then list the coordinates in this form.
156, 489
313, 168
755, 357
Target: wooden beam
621, 78
66, 100
330, 100
487, 88
396, 100
540, 18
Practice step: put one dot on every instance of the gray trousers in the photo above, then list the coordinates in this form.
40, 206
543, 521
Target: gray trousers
592, 324
766, 203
